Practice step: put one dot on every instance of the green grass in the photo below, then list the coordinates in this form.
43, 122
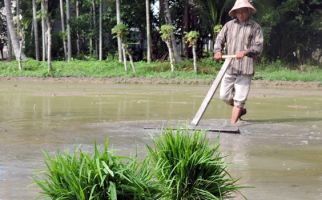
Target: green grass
106, 69
279, 71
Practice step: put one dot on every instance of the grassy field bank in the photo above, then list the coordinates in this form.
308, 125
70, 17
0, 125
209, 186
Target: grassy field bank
207, 69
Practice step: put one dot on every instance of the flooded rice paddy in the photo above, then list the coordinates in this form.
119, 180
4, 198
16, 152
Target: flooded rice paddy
278, 153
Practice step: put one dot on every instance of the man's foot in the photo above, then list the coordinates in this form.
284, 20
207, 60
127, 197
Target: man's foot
242, 112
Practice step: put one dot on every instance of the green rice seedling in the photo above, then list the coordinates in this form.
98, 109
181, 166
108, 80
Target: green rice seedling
189, 168
81, 176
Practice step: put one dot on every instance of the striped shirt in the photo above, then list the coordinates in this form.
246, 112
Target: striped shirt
235, 37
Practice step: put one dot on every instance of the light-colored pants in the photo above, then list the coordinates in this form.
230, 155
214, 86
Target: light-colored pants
234, 89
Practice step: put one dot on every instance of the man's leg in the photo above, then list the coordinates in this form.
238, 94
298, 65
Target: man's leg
242, 87
226, 92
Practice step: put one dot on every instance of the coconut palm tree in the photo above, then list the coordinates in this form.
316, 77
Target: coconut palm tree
100, 31
148, 31
118, 21
62, 20
48, 42
43, 30
168, 20
69, 40
77, 33
35, 24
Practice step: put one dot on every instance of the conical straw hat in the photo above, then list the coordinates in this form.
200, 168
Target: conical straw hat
241, 4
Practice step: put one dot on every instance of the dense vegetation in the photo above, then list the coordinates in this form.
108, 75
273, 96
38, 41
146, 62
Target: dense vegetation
82, 29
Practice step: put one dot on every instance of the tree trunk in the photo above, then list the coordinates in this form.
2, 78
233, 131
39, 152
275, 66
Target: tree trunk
9, 46
19, 59
77, 33
170, 55
69, 40
186, 26
161, 12
194, 53
20, 33
168, 20
118, 21
100, 32
131, 60
49, 46
18, 25
94, 24
12, 31
49, 40
43, 29
62, 20
148, 31
34, 21
91, 37
124, 57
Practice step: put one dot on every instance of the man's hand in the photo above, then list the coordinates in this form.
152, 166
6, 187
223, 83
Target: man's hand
241, 54
218, 56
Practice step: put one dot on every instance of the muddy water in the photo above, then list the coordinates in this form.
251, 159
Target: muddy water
278, 153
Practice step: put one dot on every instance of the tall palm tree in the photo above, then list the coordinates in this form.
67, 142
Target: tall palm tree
118, 21
168, 20
215, 9
94, 24
48, 37
69, 39
148, 30
100, 32
186, 22
62, 20
212, 12
77, 33
43, 29
12, 31
35, 24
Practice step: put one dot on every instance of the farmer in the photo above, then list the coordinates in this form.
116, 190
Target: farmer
242, 37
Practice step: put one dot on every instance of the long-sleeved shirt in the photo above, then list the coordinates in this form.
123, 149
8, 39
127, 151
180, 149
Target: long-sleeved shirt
236, 37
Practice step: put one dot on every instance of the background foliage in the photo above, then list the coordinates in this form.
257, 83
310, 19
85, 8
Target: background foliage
292, 28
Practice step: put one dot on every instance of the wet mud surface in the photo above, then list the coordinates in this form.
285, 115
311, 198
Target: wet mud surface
278, 151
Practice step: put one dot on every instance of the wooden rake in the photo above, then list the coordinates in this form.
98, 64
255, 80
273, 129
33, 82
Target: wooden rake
205, 103
212, 90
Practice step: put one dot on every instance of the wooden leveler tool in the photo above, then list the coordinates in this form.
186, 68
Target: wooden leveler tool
212, 90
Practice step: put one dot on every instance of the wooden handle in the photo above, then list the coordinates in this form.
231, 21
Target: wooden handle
210, 93
229, 56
